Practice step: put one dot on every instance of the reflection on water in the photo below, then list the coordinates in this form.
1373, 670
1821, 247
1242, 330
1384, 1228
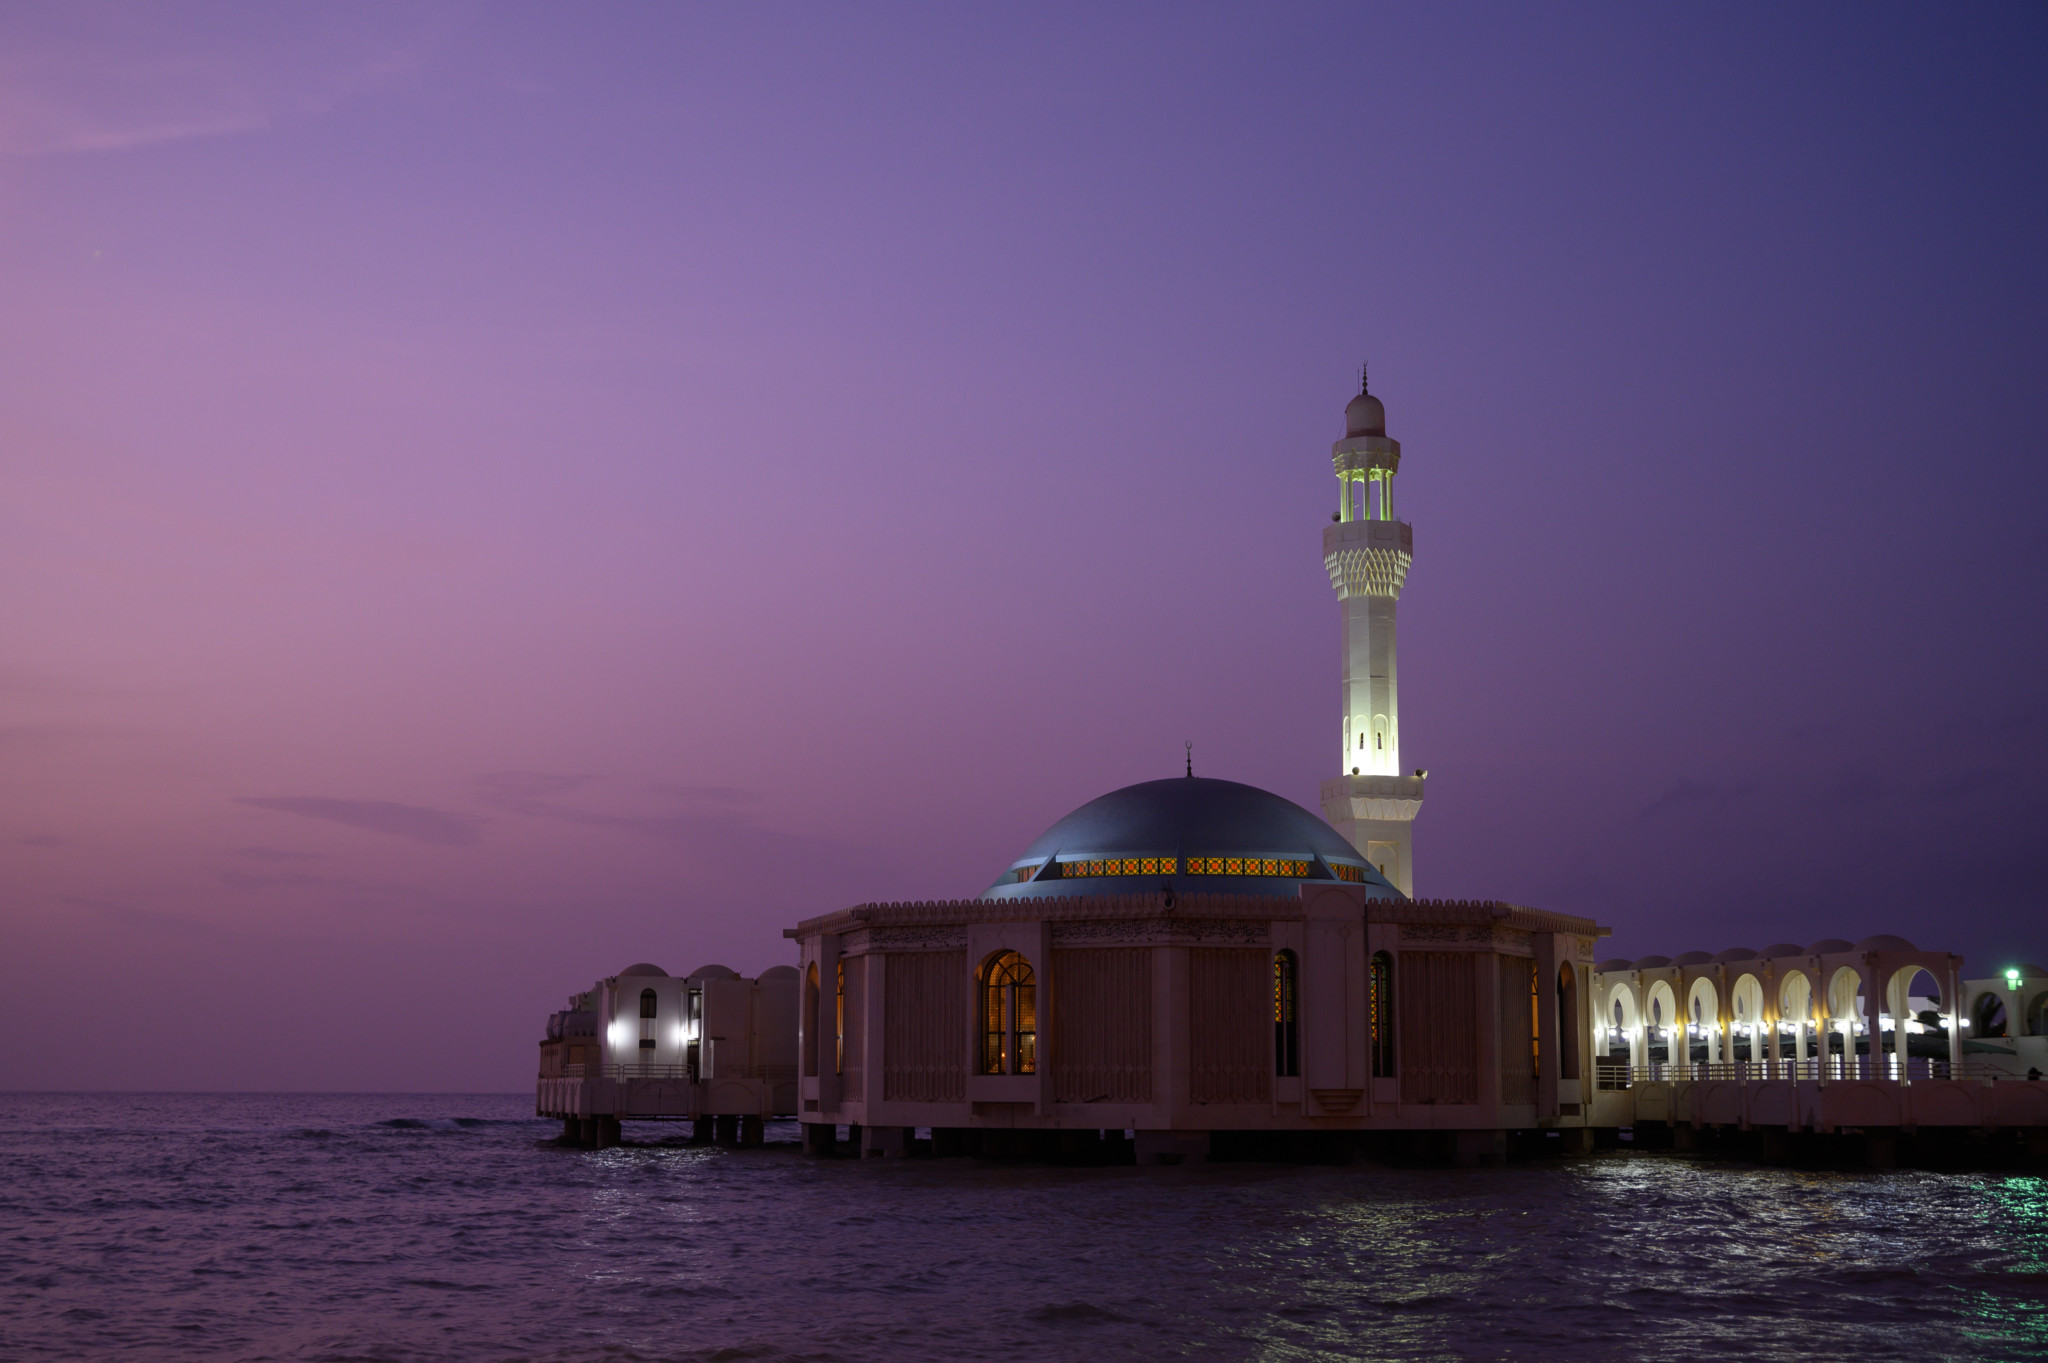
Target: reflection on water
412, 1227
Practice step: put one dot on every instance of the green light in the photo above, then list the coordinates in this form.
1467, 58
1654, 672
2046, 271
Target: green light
2012, 979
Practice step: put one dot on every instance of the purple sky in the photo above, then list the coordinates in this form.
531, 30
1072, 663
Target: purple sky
491, 494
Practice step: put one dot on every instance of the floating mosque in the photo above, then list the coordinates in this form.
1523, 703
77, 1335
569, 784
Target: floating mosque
1192, 968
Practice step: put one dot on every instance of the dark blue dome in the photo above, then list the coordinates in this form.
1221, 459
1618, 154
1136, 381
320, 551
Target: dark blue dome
1193, 834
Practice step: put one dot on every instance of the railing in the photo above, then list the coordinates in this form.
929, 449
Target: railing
771, 1074
1611, 1077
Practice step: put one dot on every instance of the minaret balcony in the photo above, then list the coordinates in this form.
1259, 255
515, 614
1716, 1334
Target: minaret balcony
1368, 558
1373, 798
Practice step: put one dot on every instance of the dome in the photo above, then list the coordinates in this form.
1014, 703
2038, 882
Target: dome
1884, 941
780, 972
1610, 967
1784, 949
1364, 416
1650, 962
1738, 954
643, 969
714, 972
1180, 828
1692, 958
2028, 971
1828, 946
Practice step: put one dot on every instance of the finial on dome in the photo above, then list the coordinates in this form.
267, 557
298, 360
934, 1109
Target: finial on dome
1191, 756
1365, 415
1363, 385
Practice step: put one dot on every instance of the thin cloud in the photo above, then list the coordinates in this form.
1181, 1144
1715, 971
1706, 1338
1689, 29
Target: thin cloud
513, 786
721, 795
417, 822
273, 854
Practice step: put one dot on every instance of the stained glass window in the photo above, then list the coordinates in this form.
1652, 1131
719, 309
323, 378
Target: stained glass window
1286, 1030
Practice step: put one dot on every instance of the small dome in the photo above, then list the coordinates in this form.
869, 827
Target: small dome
1364, 416
1738, 954
780, 972
714, 972
1828, 946
1885, 941
1783, 949
1650, 962
2029, 972
575, 1022
1692, 958
643, 969
1618, 963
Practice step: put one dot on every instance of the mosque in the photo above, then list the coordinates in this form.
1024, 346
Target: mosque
1192, 968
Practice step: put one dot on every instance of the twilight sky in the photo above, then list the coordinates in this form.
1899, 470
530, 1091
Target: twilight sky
489, 494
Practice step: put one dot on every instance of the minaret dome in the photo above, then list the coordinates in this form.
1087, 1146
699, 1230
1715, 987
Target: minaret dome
1365, 416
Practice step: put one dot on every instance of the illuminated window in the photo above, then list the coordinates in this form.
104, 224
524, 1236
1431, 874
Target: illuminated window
1380, 1014
1009, 1016
1535, 1021
1286, 1030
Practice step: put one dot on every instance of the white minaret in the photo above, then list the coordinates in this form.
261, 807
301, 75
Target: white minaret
1372, 803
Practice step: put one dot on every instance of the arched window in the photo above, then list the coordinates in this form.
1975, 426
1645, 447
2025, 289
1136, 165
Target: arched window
1567, 1023
1987, 1016
1286, 1028
1009, 1016
1380, 1013
808, 1023
647, 1003
839, 1024
1535, 1022
647, 1011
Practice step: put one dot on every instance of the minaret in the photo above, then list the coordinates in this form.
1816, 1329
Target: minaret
1367, 552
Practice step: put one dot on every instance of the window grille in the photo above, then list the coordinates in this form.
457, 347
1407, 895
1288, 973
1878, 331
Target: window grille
1380, 1015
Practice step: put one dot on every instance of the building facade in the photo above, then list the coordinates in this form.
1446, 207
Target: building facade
710, 1047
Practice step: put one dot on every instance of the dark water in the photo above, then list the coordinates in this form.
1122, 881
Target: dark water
408, 1227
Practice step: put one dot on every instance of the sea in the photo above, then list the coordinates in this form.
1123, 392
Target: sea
407, 1226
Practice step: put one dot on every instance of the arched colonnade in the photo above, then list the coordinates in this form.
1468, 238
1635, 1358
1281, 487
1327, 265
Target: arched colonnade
1786, 1011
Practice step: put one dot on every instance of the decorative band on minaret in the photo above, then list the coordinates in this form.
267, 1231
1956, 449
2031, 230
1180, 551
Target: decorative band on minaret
1367, 553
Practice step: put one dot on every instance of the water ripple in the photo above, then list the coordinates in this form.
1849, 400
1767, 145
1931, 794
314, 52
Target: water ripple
346, 1228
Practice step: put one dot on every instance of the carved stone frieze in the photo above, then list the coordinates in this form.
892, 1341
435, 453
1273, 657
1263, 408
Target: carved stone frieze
1163, 932
1429, 932
919, 937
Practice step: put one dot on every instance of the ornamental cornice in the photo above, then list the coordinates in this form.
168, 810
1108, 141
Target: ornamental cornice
1360, 456
1368, 572
1368, 557
878, 922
